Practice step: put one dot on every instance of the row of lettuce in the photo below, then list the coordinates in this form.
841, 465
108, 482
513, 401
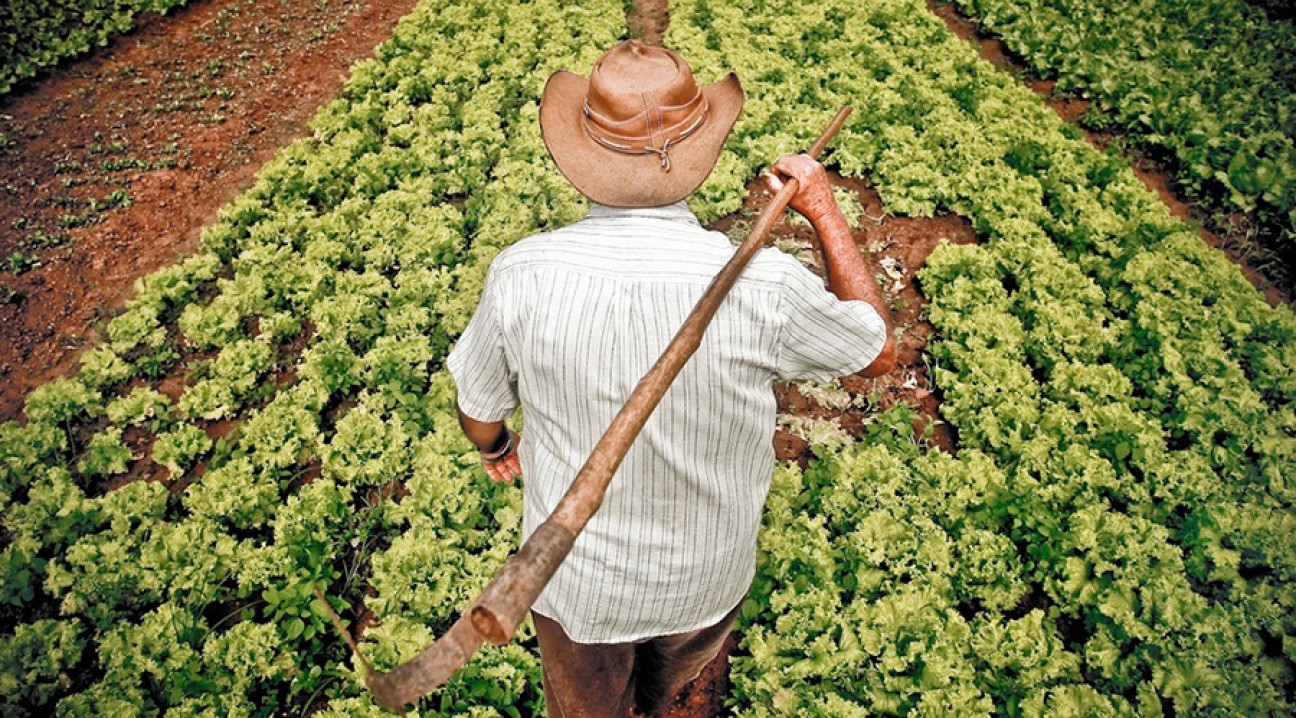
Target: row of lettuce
365, 245
1206, 84
35, 35
1111, 538
1109, 541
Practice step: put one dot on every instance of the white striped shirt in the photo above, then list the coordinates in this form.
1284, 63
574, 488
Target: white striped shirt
568, 323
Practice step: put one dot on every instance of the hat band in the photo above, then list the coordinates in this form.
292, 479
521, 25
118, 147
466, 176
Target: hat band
650, 118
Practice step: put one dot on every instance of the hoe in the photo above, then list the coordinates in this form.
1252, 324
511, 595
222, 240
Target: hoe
500, 608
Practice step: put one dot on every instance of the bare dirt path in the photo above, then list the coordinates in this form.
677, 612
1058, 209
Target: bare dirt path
1268, 274
111, 165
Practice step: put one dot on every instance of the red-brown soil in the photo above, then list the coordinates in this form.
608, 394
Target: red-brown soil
212, 89
895, 249
1257, 264
647, 20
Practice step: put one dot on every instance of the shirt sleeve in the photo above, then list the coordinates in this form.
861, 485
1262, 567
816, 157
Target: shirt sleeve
823, 337
487, 385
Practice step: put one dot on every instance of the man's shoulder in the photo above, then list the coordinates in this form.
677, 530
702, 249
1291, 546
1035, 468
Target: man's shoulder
597, 244
777, 266
514, 252
548, 247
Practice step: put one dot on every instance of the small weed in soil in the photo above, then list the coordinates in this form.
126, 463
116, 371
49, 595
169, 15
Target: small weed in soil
19, 262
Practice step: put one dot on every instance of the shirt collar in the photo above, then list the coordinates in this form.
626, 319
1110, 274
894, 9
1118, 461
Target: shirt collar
678, 211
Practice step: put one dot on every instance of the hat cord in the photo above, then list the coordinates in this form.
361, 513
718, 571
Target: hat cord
604, 119
662, 153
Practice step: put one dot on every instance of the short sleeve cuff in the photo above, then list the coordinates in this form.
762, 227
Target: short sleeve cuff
473, 402
823, 376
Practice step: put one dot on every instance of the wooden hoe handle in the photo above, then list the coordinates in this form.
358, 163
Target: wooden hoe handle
498, 611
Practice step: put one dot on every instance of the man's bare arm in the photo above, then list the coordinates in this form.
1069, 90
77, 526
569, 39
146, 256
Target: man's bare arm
848, 274
490, 437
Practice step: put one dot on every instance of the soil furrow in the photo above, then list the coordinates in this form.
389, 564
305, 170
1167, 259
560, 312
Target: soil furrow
122, 157
1268, 274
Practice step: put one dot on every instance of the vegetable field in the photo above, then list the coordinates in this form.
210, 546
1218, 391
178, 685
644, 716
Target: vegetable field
1230, 139
1112, 536
38, 35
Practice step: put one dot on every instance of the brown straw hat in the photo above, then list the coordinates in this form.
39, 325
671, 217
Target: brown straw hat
640, 132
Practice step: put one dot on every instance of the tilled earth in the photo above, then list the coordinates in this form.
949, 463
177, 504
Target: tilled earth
111, 165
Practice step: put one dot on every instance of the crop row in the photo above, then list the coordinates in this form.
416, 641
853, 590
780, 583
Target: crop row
1206, 84
34, 35
1124, 551
1109, 540
370, 237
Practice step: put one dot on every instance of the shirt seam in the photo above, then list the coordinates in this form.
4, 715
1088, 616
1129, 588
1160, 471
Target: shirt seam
778, 338
517, 264
752, 283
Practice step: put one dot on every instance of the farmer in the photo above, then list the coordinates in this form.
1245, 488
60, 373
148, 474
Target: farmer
571, 319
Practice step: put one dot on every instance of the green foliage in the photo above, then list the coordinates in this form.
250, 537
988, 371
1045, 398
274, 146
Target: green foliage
37, 35
868, 563
278, 326
99, 575
309, 533
239, 665
221, 321
139, 324
458, 531
61, 401
55, 514
177, 448
160, 649
177, 284
157, 362
188, 561
105, 454
455, 537
231, 377
23, 450
278, 435
35, 662
101, 367
143, 406
1206, 84
367, 448
235, 494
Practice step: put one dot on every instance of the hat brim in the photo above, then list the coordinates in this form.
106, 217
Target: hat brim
619, 179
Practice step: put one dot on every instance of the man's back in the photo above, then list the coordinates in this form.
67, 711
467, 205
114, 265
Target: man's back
581, 314
570, 320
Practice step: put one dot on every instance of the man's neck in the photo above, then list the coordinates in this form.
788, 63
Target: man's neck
676, 211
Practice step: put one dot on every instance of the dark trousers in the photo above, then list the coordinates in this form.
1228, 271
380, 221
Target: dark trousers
603, 680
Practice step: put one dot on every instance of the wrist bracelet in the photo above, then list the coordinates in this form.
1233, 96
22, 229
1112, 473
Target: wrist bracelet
503, 451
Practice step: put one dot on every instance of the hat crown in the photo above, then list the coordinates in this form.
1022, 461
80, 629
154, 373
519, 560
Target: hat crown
642, 98
630, 70
639, 131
